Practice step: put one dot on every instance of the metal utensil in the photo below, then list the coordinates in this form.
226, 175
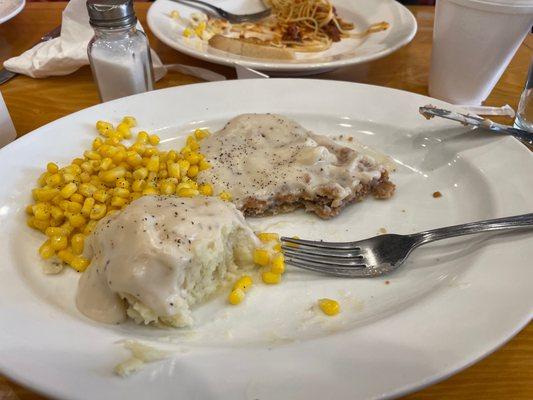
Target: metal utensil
381, 254
430, 111
233, 18
6, 75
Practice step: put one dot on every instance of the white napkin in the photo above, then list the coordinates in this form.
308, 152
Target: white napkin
68, 52
7, 129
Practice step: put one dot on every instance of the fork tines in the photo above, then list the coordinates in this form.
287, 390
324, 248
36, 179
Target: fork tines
334, 258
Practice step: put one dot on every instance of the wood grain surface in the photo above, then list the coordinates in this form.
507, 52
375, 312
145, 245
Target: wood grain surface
506, 374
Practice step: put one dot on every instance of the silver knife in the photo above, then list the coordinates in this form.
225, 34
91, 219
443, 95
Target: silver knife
430, 111
6, 75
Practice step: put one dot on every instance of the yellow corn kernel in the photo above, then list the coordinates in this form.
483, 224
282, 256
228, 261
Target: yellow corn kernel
119, 156
201, 134
167, 188
134, 160
77, 161
85, 177
172, 155
77, 198
130, 121
293, 244
138, 185
173, 170
153, 164
124, 129
192, 143
100, 195
206, 189
152, 179
73, 207
41, 224
121, 192
184, 167
278, 264
277, 247
244, 283
86, 166
329, 307
58, 242
225, 196
193, 171
236, 296
118, 201
113, 174
188, 32
106, 164
52, 167
29, 209
77, 241
30, 222
46, 250
74, 169
65, 255
122, 183
103, 127
44, 194
203, 165
67, 177
77, 220
154, 140
92, 155
79, 263
68, 190
270, 277
97, 143
150, 191
87, 206
89, 227
56, 213
140, 173
67, 227
261, 257
199, 30
54, 180
87, 189
142, 137
163, 173
187, 192
193, 158
267, 237
55, 231
41, 211
175, 14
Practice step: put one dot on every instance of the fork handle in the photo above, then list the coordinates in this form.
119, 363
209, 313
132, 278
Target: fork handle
518, 221
203, 3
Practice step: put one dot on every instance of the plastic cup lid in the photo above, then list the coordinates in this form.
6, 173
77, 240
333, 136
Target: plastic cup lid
506, 6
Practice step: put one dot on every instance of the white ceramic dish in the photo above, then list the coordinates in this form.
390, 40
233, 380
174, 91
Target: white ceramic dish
347, 52
453, 303
10, 8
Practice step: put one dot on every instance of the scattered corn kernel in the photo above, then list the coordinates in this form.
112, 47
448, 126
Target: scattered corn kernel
58, 242
225, 196
329, 307
79, 263
271, 278
267, 237
52, 167
206, 189
153, 140
244, 283
187, 192
77, 242
46, 250
261, 257
236, 296
278, 264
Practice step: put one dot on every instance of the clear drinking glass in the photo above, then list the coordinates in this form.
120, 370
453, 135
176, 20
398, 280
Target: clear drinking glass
524, 114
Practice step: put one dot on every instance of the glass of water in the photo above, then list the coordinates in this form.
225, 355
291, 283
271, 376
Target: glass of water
524, 114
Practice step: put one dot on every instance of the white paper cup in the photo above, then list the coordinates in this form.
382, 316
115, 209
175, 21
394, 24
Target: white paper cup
473, 42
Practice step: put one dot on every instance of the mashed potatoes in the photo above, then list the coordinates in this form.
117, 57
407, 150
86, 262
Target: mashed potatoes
159, 256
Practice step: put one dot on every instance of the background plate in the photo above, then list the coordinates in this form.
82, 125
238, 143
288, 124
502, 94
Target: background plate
451, 304
346, 52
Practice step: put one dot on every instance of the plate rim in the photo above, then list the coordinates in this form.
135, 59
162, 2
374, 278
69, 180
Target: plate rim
400, 391
13, 13
280, 67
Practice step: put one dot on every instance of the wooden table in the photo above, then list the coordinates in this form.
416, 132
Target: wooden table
506, 374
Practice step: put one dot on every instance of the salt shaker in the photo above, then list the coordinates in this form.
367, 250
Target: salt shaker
119, 54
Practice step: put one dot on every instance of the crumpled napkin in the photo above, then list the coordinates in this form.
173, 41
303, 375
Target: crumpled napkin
68, 52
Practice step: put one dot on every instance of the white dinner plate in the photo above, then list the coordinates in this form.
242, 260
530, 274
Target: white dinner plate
346, 52
451, 304
10, 8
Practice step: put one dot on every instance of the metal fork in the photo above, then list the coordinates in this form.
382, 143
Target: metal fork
380, 254
233, 18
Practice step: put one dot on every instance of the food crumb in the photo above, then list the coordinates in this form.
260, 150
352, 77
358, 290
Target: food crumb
403, 210
382, 230
350, 139
437, 194
387, 282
